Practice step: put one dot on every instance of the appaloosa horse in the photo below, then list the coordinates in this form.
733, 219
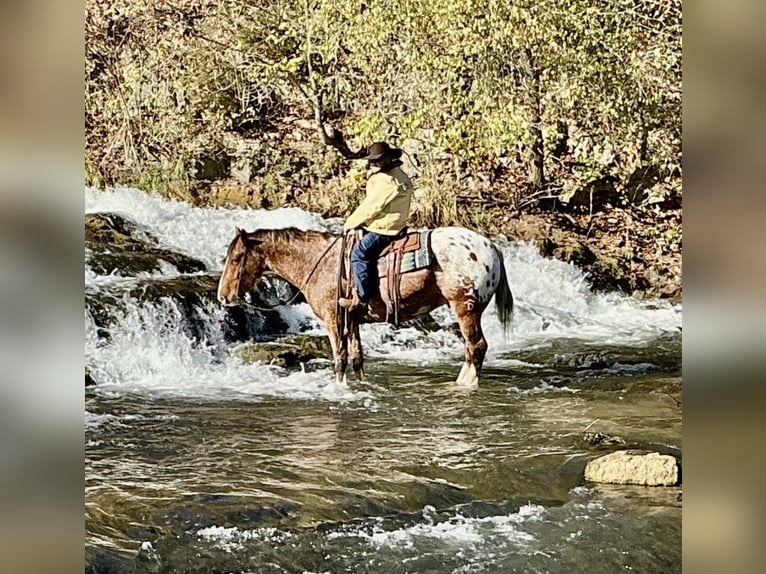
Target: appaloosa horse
467, 270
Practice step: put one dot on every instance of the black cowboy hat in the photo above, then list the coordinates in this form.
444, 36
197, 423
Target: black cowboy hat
379, 150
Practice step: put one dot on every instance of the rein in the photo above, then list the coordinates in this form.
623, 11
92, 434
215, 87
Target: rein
300, 289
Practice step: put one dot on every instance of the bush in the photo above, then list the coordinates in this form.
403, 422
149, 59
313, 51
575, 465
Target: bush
536, 97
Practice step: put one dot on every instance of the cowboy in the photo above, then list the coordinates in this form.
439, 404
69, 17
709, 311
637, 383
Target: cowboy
382, 215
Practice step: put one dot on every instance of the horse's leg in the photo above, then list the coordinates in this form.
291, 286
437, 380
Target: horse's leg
355, 351
469, 320
340, 354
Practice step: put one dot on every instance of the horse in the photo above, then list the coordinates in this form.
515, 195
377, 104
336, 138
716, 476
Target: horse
467, 270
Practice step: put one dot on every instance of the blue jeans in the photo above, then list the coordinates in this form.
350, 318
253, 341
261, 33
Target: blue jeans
364, 262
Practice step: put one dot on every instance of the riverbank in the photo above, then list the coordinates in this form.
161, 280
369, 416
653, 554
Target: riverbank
636, 252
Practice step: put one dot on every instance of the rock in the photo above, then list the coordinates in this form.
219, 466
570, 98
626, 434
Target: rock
583, 360
198, 290
116, 243
288, 352
133, 262
593, 196
625, 467
596, 438
233, 193
110, 228
192, 294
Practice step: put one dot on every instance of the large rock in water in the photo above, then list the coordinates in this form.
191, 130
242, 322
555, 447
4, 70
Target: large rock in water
624, 467
116, 243
288, 352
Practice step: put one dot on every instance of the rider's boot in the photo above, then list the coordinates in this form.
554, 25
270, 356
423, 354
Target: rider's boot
349, 303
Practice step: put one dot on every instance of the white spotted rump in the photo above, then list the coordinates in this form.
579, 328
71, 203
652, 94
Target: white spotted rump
469, 260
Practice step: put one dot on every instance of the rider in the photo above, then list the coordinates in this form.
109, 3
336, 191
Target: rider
383, 214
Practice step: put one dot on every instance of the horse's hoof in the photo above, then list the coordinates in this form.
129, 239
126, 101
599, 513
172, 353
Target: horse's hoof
468, 377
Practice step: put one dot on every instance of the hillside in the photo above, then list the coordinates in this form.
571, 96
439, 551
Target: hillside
556, 125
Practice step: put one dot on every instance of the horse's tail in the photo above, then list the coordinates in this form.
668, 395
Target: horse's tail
503, 297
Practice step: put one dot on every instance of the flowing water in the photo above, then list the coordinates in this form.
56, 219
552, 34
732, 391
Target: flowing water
198, 462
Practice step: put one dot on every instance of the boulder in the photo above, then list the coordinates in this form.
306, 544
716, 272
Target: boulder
625, 467
110, 228
117, 244
288, 352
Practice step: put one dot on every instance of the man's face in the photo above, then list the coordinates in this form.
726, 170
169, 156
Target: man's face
373, 166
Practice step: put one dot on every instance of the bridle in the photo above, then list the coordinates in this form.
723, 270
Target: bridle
241, 272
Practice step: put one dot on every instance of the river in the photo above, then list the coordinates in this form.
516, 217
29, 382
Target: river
198, 462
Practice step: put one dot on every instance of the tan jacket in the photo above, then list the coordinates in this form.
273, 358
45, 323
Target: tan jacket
386, 207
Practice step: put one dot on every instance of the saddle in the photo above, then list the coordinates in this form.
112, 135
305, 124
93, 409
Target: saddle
410, 252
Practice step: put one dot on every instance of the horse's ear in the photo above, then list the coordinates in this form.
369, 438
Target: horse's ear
239, 231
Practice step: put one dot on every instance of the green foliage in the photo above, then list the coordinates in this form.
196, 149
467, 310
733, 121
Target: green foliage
589, 88
171, 183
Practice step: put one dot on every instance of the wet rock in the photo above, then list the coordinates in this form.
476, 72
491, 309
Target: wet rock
625, 467
288, 352
273, 291
110, 228
427, 324
582, 361
249, 324
114, 243
128, 262
237, 193
598, 438
195, 298
192, 294
197, 290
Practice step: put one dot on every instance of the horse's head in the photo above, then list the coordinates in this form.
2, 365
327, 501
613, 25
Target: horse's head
244, 265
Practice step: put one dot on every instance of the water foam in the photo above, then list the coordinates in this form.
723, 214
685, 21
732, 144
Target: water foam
149, 352
456, 531
232, 539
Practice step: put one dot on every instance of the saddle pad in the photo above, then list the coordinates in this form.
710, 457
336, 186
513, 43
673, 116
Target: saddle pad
410, 242
418, 258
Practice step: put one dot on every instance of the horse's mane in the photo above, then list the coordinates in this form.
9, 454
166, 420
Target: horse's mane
288, 234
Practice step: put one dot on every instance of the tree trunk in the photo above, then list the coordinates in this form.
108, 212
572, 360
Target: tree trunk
535, 155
